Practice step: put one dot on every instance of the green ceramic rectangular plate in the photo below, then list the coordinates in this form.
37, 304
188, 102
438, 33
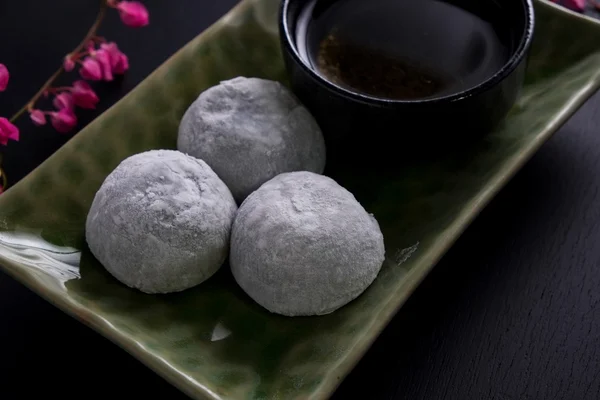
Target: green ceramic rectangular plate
213, 341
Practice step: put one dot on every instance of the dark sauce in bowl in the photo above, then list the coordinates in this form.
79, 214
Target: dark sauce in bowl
403, 49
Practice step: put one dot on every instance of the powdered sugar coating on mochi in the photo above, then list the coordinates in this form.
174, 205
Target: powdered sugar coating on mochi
250, 130
303, 245
161, 222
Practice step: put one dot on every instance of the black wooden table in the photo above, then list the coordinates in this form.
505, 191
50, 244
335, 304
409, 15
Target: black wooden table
511, 312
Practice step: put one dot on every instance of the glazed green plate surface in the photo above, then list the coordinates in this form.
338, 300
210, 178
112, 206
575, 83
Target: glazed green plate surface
213, 341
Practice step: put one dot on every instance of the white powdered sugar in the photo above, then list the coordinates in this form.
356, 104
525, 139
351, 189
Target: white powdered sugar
161, 222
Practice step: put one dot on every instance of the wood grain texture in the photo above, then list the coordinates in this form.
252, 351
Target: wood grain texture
510, 313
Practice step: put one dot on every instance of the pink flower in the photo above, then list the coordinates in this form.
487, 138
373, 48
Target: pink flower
7, 131
4, 76
575, 5
68, 63
63, 120
83, 95
118, 60
99, 65
103, 59
63, 100
133, 13
122, 65
91, 69
38, 117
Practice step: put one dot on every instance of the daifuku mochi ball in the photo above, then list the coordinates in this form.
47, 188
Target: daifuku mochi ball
250, 130
303, 245
161, 222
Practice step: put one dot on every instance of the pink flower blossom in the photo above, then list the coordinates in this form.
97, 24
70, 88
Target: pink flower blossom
133, 13
83, 95
4, 76
101, 64
38, 117
63, 120
63, 100
91, 69
68, 63
122, 65
118, 60
103, 59
7, 131
575, 5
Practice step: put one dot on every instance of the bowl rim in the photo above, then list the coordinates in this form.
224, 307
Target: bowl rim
518, 55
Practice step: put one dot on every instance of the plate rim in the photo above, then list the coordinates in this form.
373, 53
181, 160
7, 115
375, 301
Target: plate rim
334, 376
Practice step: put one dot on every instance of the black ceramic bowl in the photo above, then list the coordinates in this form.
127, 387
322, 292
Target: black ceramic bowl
356, 123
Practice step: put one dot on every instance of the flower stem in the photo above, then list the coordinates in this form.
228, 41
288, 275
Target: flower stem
91, 33
59, 89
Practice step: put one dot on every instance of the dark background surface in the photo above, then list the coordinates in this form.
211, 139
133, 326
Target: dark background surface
511, 312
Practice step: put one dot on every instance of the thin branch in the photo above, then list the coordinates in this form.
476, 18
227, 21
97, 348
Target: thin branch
91, 33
